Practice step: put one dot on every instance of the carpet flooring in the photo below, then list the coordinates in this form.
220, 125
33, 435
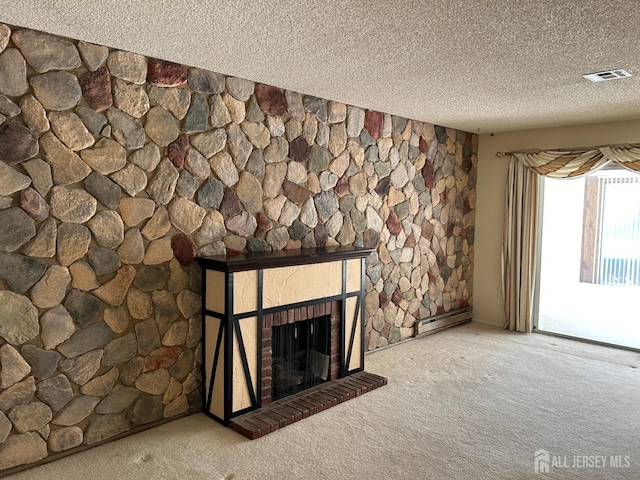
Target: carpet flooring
473, 402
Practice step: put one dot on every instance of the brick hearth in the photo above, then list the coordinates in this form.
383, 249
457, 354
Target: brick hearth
283, 412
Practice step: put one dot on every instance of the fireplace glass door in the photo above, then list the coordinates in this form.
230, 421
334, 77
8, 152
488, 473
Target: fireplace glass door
301, 355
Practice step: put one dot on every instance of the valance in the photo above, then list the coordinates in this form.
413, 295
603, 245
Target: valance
574, 163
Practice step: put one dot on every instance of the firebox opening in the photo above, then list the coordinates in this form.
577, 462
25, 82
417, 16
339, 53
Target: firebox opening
301, 355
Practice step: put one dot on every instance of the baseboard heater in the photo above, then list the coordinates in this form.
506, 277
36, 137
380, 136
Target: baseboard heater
440, 322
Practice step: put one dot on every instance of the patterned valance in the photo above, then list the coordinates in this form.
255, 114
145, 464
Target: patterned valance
574, 163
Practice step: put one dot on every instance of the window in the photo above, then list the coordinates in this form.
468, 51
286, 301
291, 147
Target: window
599, 307
611, 229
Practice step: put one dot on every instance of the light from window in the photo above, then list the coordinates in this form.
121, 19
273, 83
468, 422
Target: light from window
611, 229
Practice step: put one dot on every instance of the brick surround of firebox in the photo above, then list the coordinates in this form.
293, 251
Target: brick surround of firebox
299, 315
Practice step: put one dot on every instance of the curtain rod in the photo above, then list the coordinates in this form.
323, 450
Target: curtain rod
574, 149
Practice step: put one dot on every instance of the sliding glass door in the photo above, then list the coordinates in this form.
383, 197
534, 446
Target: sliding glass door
589, 279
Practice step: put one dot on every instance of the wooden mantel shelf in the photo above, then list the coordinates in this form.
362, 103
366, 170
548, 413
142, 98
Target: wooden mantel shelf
281, 258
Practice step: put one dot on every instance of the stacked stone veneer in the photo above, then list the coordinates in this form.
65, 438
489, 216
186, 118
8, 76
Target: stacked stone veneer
116, 169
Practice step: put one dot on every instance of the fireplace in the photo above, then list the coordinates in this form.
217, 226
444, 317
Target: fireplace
276, 324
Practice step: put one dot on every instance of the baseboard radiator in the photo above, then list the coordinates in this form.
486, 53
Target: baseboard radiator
440, 322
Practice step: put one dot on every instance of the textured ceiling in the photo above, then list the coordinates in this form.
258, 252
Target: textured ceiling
477, 65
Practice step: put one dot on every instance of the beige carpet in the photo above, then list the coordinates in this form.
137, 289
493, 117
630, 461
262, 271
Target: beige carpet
469, 403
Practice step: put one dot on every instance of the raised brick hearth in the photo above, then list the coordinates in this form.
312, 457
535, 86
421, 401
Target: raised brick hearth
291, 409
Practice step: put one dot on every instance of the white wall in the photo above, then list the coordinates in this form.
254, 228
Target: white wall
492, 175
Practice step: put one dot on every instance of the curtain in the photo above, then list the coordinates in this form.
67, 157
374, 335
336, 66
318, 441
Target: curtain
574, 163
627, 156
558, 164
519, 246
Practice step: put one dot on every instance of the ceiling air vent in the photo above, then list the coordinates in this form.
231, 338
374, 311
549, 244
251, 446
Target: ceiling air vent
607, 75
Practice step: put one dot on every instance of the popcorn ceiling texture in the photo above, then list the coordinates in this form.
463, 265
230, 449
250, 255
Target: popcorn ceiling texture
117, 169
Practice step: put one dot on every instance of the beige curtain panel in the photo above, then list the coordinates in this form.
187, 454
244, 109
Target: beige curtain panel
519, 246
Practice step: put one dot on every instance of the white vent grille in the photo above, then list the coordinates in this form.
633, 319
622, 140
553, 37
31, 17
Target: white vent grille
607, 75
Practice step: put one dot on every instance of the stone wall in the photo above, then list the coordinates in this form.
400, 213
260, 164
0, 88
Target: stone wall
117, 169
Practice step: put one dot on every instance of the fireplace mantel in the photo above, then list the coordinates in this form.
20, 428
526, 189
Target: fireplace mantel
282, 258
242, 293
